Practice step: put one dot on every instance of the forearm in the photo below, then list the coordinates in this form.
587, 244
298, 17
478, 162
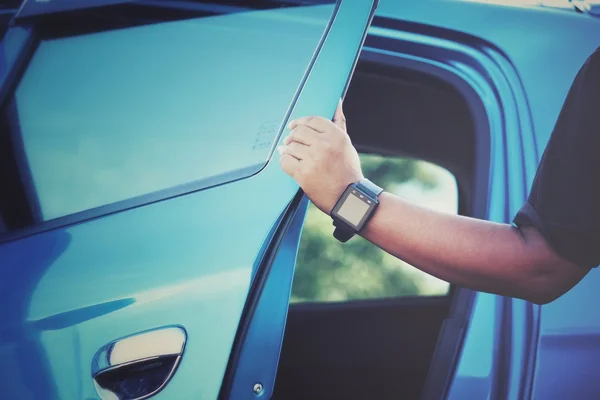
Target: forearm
485, 256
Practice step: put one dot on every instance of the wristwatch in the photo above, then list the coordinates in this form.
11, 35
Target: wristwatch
354, 209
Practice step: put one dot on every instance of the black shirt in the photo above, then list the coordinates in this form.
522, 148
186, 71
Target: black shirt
564, 202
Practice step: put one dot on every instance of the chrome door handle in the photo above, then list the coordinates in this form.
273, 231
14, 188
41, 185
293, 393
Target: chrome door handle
138, 366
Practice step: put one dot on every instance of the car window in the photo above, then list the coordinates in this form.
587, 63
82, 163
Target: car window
327, 270
102, 117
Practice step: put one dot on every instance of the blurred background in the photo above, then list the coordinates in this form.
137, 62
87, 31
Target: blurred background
330, 271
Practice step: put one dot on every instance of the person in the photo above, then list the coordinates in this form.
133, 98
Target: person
554, 240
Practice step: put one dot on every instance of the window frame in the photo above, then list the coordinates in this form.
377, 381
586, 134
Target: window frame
472, 200
23, 41
460, 203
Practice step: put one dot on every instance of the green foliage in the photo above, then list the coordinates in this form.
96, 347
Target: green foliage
327, 270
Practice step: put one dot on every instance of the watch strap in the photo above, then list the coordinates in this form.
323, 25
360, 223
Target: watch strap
369, 188
342, 233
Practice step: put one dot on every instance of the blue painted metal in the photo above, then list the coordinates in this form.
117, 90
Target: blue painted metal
514, 349
263, 338
164, 264
519, 65
59, 71
261, 344
188, 261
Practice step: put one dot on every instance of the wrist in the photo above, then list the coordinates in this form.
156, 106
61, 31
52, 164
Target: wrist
336, 192
371, 226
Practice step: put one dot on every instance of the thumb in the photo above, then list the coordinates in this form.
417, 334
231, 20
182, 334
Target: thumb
339, 118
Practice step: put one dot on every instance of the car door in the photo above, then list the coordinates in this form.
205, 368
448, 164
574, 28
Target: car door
147, 235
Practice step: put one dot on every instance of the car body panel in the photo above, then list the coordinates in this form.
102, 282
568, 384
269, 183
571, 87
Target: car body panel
527, 35
517, 61
190, 260
512, 348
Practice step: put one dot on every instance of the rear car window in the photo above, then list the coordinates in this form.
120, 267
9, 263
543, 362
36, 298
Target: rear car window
330, 271
102, 117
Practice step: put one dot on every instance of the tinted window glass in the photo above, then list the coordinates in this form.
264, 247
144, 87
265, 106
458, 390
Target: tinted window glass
327, 270
102, 117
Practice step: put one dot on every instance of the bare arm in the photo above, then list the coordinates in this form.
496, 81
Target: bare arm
482, 255
485, 256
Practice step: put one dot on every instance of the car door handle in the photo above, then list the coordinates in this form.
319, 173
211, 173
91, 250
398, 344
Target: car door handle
138, 366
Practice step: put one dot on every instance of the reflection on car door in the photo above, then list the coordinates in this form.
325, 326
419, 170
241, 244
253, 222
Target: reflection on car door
144, 220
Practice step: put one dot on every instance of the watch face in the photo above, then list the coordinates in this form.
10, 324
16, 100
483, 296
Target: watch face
353, 207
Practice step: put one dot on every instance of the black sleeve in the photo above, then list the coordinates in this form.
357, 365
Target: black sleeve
564, 202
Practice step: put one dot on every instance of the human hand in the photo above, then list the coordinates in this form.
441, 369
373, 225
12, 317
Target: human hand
320, 157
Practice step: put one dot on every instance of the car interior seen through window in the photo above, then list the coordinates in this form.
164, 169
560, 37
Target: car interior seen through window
330, 271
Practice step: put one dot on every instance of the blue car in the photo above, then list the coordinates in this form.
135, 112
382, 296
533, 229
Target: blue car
152, 247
